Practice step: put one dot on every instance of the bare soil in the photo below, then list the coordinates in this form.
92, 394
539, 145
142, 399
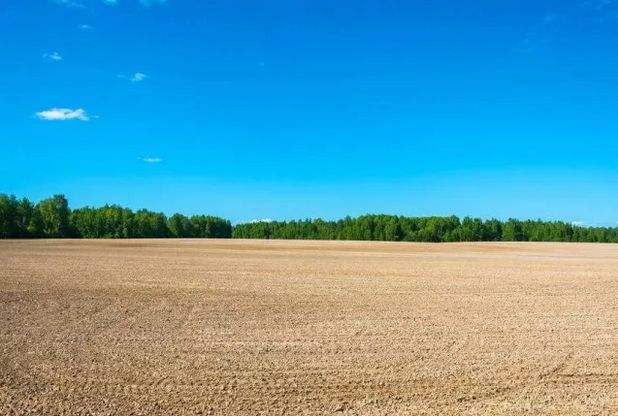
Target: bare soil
238, 327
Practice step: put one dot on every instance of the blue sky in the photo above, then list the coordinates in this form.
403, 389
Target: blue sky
295, 109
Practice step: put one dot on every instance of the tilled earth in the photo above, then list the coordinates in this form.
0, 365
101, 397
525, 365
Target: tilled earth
238, 327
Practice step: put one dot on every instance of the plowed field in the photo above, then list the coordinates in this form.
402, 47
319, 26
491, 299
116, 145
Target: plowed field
237, 327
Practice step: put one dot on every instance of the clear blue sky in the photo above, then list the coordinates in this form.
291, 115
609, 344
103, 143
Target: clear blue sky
294, 109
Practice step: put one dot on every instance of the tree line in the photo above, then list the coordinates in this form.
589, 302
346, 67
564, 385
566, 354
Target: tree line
426, 229
52, 218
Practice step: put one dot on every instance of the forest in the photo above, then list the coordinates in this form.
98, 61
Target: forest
426, 229
53, 218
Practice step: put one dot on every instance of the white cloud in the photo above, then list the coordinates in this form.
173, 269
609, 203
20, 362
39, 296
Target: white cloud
152, 159
85, 28
138, 77
61, 114
52, 57
261, 220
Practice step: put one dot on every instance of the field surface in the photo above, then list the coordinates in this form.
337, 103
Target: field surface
237, 327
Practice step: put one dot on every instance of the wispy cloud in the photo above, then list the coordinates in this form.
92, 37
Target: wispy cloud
540, 35
255, 221
62, 114
148, 3
555, 26
69, 3
77, 3
52, 57
601, 11
136, 77
85, 28
597, 4
151, 159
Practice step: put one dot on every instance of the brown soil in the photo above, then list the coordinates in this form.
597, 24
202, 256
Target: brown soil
236, 327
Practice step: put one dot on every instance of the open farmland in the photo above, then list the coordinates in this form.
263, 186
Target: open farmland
238, 327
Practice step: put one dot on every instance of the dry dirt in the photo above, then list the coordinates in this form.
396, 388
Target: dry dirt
236, 327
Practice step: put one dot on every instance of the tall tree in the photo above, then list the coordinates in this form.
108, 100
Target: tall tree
55, 213
8, 216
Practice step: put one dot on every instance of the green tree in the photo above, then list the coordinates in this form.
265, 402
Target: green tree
54, 214
513, 230
8, 216
180, 226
